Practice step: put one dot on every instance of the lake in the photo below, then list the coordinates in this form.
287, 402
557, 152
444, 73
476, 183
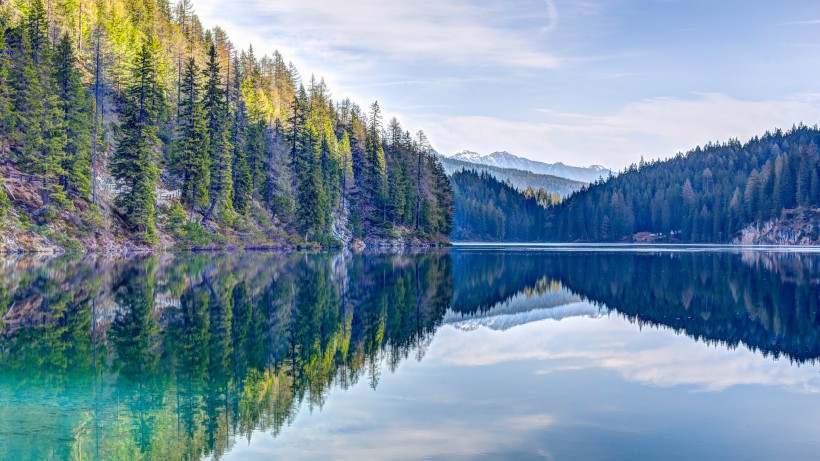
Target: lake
469, 353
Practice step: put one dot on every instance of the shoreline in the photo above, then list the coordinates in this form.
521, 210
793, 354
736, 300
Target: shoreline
671, 247
515, 246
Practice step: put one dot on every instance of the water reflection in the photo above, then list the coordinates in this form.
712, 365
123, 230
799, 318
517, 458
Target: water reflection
767, 301
172, 358
178, 357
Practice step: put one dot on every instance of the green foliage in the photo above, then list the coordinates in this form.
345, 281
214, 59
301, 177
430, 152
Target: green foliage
192, 146
327, 241
356, 224
5, 203
194, 235
237, 331
544, 198
6, 93
215, 107
487, 209
46, 215
247, 139
313, 205
175, 219
241, 170
706, 195
67, 243
75, 109
134, 161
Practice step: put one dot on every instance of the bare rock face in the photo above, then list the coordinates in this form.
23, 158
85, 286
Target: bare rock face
794, 227
339, 228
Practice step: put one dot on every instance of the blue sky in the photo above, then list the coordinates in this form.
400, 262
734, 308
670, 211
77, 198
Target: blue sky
578, 81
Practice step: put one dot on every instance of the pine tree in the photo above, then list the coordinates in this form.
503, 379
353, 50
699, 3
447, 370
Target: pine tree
346, 176
219, 148
376, 174
806, 166
313, 207
330, 172
241, 171
134, 161
192, 144
242, 184
28, 91
45, 138
75, 109
422, 149
297, 121
6, 113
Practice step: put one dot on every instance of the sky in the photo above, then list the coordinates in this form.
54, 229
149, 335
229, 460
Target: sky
577, 81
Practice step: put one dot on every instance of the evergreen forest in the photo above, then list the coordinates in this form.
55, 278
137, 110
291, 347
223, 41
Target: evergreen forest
128, 120
708, 195
487, 209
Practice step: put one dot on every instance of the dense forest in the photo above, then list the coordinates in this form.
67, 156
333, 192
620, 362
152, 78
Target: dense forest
487, 209
136, 122
706, 195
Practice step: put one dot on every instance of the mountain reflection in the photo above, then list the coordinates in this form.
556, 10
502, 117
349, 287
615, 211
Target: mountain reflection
175, 357
767, 301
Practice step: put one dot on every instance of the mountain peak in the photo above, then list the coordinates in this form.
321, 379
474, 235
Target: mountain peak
505, 159
468, 156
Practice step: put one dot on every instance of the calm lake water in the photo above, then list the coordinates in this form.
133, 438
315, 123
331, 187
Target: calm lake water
469, 353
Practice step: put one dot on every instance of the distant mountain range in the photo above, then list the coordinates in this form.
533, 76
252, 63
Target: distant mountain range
519, 179
507, 160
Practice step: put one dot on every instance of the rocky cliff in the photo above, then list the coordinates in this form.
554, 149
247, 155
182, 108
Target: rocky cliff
794, 227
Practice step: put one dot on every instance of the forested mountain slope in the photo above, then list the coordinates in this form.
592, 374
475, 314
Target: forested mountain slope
706, 195
520, 179
487, 209
128, 123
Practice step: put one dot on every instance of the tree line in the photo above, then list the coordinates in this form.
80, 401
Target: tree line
706, 195
487, 209
141, 90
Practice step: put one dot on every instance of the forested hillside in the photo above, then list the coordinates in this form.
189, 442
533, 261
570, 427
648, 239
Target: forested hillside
129, 121
519, 179
706, 195
487, 209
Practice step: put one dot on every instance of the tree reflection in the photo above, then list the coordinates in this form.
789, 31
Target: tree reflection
174, 357
768, 301
177, 356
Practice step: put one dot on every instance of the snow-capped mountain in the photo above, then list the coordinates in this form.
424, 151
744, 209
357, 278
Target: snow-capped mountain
507, 160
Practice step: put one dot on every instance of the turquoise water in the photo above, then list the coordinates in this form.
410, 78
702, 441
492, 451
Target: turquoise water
469, 353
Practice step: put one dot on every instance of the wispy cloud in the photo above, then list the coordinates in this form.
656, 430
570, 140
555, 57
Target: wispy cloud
444, 81
556, 346
471, 72
653, 128
552, 17
810, 22
452, 31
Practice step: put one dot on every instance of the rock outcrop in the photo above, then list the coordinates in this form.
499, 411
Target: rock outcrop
794, 227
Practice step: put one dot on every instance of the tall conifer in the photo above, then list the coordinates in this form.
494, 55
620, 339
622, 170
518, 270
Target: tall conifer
134, 161
192, 144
